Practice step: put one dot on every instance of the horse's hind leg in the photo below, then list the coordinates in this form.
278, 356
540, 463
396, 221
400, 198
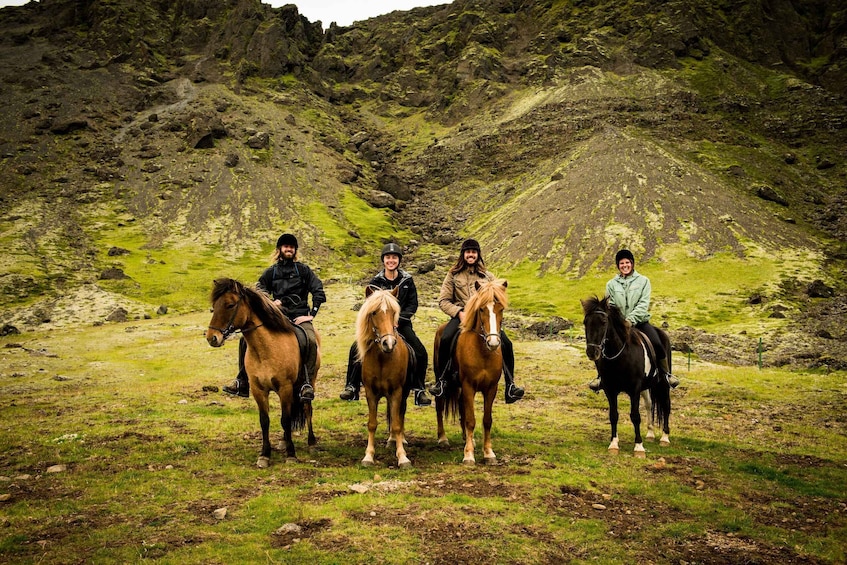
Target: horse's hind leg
648, 405
468, 424
440, 407
635, 416
307, 409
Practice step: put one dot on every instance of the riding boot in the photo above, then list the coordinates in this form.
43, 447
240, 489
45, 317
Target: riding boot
673, 380
421, 399
595, 384
240, 386
513, 393
353, 384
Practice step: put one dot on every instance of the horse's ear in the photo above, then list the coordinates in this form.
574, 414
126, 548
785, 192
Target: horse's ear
477, 284
505, 283
395, 291
369, 290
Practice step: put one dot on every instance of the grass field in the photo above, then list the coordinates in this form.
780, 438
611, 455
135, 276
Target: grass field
113, 452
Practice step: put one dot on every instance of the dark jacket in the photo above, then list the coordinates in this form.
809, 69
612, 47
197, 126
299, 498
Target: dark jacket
408, 295
291, 283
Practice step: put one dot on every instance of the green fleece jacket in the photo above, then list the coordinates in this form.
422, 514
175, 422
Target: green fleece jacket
631, 295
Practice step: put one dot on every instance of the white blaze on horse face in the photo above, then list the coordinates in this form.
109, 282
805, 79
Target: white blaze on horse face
493, 337
388, 341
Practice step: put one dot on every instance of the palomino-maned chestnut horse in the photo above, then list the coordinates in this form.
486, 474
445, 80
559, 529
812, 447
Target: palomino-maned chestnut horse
625, 364
479, 359
272, 360
385, 362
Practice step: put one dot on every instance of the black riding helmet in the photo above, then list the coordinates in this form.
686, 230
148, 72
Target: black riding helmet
391, 249
624, 254
287, 239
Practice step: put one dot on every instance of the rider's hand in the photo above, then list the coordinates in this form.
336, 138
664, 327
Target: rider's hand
300, 319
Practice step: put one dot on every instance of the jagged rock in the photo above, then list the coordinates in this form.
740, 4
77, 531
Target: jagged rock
379, 199
68, 126
260, 140
113, 274
819, 289
391, 183
549, 327
116, 251
770, 194
162, 310
231, 160
119, 314
347, 172
9, 329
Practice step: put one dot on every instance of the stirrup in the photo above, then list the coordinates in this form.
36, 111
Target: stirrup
349, 393
513, 393
421, 399
673, 380
235, 389
307, 393
437, 388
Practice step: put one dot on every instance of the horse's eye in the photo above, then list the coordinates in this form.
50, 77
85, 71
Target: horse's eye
211, 308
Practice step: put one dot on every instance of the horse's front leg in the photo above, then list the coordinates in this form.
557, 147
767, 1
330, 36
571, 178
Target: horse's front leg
613, 421
635, 416
265, 423
397, 431
373, 404
487, 419
468, 423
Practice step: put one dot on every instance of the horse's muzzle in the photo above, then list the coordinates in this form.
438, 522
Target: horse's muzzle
387, 343
593, 352
215, 338
492, 342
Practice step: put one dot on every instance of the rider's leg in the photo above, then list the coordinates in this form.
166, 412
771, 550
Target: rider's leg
513, 393
307, 392
421, 362
445, 354
240, 386
354, 376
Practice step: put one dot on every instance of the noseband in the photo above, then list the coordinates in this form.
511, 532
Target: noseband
229, 329
602, 345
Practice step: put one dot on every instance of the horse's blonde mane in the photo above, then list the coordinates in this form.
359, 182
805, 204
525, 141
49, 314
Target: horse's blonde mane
378, 300
489, 290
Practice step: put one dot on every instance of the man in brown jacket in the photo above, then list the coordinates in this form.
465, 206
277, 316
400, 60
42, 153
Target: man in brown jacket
457, 288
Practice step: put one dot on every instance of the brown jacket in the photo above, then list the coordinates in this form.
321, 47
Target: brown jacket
457, 289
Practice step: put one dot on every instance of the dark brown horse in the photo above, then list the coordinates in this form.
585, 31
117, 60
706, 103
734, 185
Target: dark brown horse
272, 361
624, 360
479, 359
385, 362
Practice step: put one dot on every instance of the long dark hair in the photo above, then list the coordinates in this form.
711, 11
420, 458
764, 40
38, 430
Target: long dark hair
462, 264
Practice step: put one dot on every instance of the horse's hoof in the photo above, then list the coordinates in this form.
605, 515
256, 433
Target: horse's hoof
444, 442
263, 462
291, 460
469, 462
391, 443
614, 450
490, 460
665, 442
405, 464
640, 454
651, 435
366, 463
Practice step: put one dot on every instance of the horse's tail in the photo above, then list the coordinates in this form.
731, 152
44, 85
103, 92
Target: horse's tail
451, 398
660, 391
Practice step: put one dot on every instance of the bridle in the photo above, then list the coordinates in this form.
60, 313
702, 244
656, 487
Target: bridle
230, 329
602, 345
481, 330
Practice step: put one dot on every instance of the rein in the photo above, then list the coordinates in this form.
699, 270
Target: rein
602, 345
230, 330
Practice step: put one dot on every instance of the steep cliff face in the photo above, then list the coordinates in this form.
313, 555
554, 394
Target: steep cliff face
556, 131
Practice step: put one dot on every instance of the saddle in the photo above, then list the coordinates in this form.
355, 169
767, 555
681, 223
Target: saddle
651, 363
411, 365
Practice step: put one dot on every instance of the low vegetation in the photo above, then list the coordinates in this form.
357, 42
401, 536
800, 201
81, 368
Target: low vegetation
119, 447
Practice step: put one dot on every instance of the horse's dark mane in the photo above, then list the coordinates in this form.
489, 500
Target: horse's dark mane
616, 319
269, 314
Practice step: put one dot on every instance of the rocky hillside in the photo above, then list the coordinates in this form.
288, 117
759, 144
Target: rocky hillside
553, 131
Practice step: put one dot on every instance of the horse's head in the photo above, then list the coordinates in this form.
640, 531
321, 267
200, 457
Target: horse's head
596, 322
377, 320
484, 311
227, 311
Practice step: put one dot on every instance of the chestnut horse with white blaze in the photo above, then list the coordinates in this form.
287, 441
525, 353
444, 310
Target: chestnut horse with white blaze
385, 364
272, 361
479, 360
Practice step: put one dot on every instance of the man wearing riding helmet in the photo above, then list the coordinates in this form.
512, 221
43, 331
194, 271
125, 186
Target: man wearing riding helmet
390, 277
456, 290
630, 292
289, 283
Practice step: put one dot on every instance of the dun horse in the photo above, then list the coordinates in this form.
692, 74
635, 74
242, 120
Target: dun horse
625, 364
480, 363
385, 363
272, 361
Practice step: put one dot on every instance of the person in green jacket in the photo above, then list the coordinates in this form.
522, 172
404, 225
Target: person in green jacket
630, 292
